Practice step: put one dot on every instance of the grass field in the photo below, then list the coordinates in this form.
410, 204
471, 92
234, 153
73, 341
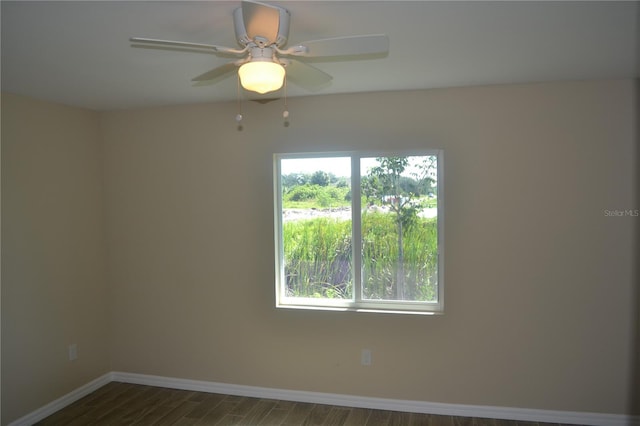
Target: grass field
318, 258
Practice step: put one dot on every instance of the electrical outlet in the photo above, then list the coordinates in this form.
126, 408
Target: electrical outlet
365, 357
73, 352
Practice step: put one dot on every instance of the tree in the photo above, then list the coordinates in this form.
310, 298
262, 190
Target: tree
388, 184
320, 178
292, 180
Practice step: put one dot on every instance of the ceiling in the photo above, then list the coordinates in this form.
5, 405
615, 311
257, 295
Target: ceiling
78, 52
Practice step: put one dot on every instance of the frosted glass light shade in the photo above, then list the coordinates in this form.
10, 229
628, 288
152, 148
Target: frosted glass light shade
262, 76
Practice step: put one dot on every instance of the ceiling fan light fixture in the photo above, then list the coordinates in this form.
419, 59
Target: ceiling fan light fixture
261, 76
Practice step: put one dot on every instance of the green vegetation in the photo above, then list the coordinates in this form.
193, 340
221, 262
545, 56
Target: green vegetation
381, 267
318, 255
317, 190
316, 196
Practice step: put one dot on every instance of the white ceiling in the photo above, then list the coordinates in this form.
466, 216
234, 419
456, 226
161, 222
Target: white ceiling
78, 53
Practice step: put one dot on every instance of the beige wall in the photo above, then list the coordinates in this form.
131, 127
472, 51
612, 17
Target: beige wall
539, 297
53, 259
635, 385
539, 281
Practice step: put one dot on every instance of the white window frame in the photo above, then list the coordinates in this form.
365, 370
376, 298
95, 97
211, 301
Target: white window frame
357, 304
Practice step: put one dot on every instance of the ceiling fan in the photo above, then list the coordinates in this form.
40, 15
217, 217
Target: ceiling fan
262, 31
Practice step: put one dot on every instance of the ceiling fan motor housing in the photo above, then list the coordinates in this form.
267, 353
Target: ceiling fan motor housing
262, 54
279, 37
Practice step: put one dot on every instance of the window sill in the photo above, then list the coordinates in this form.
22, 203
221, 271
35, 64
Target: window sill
361, 308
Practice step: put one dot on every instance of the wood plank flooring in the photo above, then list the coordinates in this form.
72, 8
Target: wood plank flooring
127, 404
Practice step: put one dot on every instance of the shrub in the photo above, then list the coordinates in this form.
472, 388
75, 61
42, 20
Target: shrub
303, 192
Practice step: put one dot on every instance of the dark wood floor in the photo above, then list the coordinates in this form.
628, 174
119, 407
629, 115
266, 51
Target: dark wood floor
126, 404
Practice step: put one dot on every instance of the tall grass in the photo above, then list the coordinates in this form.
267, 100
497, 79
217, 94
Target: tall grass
317, 255
318, 258
380, 258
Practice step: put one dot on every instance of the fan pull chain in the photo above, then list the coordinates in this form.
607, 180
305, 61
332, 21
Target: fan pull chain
239, 115
285, 113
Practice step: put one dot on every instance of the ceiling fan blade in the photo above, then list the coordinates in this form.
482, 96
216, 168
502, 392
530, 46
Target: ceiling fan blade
212, 48
345, 46
261, 20
307, 76
216, 73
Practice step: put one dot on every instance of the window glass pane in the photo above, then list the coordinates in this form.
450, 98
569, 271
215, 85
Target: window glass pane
399, 228
316, 227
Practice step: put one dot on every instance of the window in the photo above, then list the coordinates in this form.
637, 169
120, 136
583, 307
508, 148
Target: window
390, 204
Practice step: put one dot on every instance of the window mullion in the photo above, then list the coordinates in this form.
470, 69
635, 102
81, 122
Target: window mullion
356, 228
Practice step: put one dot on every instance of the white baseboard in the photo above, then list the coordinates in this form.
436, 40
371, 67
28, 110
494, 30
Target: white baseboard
523, 414
60, 403
507, 413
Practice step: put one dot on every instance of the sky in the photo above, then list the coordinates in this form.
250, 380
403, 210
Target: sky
339, 166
